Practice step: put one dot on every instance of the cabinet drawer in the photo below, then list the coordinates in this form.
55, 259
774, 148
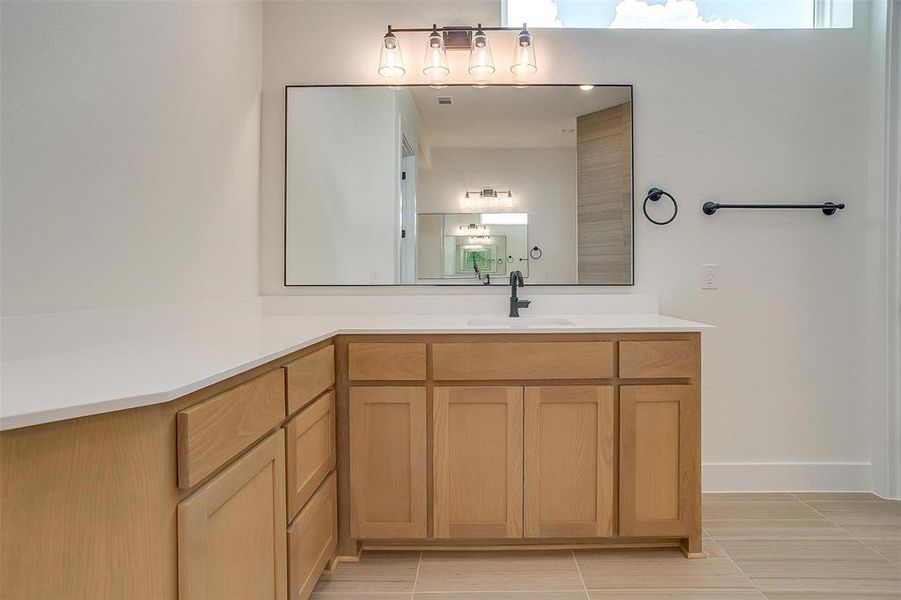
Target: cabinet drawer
386, 361
310, 376
310, 450
522, 360
312, 539
215, 430
678, 358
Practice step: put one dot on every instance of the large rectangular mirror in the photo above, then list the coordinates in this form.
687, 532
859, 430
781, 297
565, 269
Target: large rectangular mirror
458, 185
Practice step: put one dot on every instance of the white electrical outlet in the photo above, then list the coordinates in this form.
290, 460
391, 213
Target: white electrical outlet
711, 277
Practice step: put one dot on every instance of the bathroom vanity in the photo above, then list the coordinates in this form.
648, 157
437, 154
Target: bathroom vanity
452, 439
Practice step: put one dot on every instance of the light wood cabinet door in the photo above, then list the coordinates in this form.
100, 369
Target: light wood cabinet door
659, 460
312, 538
231, 532
477, 462
388, 453
569, 461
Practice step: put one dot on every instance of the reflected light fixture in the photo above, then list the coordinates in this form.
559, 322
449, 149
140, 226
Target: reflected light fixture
436, 68
488, 196
458, 38
391, 60
586, 87
524, 54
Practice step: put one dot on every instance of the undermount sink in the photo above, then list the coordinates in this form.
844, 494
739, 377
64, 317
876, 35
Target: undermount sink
517, 322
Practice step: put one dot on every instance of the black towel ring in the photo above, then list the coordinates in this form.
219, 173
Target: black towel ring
655, 194
535, 252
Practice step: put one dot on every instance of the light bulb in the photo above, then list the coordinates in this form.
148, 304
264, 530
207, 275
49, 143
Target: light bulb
435, 61
524, 54
481, 62
391, 61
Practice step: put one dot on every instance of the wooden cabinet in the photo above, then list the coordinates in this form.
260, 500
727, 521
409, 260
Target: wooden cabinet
659, 481
231, 531
569, 467
388, 454
310, 449
312, 539
478, 462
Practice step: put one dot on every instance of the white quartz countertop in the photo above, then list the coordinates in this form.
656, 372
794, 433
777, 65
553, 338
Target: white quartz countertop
158, 368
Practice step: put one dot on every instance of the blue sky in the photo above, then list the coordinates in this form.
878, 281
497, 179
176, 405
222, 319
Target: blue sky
757, 14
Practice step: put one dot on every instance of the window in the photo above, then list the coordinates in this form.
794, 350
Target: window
679, 14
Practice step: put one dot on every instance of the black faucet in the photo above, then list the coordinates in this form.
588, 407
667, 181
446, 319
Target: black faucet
515, 302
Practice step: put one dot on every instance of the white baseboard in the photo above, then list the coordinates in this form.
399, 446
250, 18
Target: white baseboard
786, 477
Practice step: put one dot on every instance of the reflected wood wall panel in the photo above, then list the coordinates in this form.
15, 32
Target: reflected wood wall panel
604, 175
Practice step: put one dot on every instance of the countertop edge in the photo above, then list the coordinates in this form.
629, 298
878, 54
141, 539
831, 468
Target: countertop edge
108, 405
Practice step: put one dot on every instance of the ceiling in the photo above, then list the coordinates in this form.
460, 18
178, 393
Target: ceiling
509, 117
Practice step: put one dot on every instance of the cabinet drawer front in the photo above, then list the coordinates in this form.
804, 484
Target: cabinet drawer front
386, 361
522, 360
215, 430
231, 531
312, 539
310, 376
310, 450
679, 358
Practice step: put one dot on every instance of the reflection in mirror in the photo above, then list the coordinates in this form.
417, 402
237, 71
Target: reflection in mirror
455, 247
454, 186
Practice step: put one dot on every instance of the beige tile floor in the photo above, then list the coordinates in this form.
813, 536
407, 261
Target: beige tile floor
778, 546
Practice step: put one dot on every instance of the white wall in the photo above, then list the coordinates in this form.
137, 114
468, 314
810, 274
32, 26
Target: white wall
754, 116
543, 182
130, 153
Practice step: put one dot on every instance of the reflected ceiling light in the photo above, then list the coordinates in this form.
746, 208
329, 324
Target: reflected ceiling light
435, 62
391, 61
586, 86
473, 39
524, 54
481, 61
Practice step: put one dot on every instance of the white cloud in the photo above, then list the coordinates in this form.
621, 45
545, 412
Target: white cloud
537, 13
675, 14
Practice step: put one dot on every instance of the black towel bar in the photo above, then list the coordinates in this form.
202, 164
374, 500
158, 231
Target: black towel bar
828, 208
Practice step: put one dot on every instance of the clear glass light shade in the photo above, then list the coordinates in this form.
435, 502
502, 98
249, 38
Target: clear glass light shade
435, 61
481, 62
391, 61
509, 203
524, 54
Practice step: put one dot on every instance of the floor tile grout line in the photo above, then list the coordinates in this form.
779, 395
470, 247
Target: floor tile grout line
849, 534
740, 570
579, 571
416, 577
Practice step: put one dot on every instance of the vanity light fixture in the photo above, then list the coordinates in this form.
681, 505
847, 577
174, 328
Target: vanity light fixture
475, 39
481, 61
524, 54
391, 60
435, 62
